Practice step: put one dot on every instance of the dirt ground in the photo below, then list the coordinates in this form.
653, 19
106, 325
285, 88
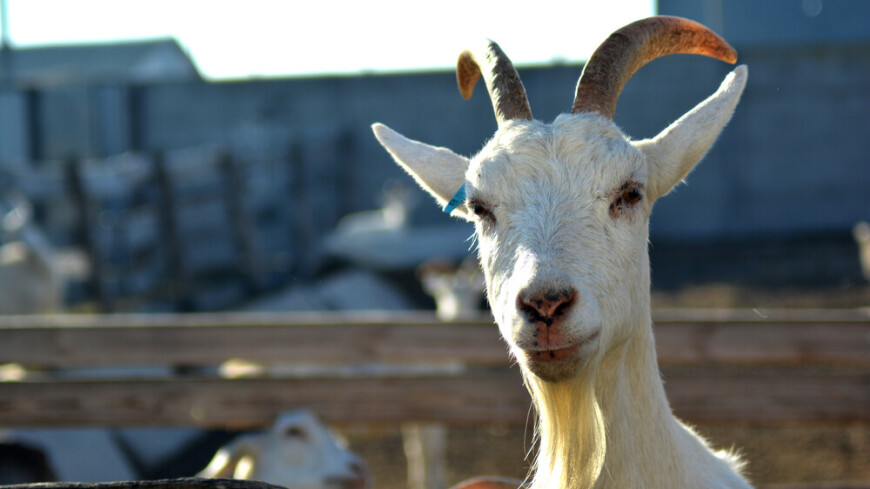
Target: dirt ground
774, 455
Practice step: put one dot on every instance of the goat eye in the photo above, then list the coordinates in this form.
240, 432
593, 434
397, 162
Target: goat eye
625, 198
295, 432
631, 195
481, 210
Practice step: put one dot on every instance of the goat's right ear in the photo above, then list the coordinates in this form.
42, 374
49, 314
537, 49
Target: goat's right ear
439, 171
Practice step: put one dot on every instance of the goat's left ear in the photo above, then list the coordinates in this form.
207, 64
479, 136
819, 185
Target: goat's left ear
674, 152
439, 171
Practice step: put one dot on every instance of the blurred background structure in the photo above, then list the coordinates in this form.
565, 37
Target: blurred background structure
132, 181
194, 195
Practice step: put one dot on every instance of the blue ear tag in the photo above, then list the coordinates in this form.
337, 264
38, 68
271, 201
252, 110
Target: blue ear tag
457, 199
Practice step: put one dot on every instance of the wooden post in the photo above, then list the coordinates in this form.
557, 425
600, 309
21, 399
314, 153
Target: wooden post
181, 287
243, 228
88, 222
426, 452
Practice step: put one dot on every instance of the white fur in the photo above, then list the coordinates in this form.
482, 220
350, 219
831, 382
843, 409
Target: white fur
861, 232
30, 278
297, 453
604, 420
457, 290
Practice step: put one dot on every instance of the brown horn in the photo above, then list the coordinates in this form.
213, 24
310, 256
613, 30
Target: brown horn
633, 46
502, 81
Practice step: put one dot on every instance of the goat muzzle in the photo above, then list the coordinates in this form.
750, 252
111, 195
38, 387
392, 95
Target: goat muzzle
547, 306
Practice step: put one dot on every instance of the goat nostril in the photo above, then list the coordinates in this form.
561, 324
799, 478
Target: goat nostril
546, 305
563, 307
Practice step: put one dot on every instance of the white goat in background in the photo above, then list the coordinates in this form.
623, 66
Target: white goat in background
457, 290
297, 453
561, 215
29, 277
861, 233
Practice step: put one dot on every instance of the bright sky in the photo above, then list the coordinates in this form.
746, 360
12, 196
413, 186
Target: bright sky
233, 39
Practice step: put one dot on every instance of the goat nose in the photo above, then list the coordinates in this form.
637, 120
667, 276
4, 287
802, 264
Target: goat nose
547, 304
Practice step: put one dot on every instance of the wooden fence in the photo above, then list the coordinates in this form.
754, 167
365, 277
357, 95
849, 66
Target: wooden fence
741, 367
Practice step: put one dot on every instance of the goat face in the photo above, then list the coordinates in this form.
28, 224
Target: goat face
560, 220
297, 453
561, 210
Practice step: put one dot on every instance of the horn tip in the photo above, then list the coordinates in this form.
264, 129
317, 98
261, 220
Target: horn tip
731, 57
467, 74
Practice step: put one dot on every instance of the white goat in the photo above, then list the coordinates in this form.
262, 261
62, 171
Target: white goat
297, 453
561, 215
861, 233
29, 277
457, 290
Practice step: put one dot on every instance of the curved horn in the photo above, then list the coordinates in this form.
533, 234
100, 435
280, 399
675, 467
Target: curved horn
502, 81
634, 45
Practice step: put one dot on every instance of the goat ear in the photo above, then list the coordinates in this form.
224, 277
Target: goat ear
439, 171
673, 153
224, 463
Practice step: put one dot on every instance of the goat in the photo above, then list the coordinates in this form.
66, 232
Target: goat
30, 279
398, 202
861, 233
561, 214
298, 452
456, 290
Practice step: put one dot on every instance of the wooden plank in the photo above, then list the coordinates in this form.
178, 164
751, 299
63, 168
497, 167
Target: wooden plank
761, 315
209, 339
770, 341
769, 396
742, 396
495, 398
821, 485
683, 338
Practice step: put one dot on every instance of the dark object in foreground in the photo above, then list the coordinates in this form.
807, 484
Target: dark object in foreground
181, 483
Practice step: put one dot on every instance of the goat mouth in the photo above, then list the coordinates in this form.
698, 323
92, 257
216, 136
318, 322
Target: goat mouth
552, 354
559, 355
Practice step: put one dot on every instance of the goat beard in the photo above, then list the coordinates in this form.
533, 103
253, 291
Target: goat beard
570, 432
